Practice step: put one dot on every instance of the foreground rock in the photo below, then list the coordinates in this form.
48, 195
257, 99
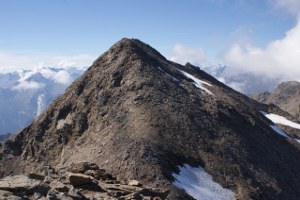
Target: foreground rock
74, 186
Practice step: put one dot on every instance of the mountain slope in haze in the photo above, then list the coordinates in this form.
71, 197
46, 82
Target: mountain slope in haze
24, 94
286, 96
140, 116
242, 81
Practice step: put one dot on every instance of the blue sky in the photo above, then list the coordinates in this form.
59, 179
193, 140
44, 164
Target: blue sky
66, 32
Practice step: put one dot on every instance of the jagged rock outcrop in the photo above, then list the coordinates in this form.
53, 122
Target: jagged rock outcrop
286, 96
139, 116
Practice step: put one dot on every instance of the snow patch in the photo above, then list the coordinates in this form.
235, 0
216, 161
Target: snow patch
197, 82
200, 185
277, 119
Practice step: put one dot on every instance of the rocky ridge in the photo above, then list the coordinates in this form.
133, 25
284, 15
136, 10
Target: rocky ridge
286, 96
80, 181
139, 117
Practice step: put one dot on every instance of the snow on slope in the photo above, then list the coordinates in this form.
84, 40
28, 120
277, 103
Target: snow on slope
277, 119
197, 82
200, 185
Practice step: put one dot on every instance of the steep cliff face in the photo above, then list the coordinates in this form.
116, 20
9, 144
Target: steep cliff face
140, 116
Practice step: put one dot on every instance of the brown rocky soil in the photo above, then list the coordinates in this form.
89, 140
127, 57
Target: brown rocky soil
136, 116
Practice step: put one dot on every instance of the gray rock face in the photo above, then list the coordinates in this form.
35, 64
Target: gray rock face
286, 96
139, 116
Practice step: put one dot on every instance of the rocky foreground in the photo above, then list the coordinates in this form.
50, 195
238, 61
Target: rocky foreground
79, 181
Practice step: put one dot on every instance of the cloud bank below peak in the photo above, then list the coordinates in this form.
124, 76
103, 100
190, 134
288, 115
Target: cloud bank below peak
15, 61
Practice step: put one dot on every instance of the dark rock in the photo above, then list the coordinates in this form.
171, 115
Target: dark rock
36, 176
83, 167
75, 194
99, 174
6, 195
77, 179
59, 186
55, 195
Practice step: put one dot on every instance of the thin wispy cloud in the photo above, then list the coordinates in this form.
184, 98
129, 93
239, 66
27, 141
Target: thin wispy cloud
12, 61
183, 54
28, 85
291, 6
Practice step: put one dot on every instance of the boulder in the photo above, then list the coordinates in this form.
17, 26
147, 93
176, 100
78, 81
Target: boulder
82, 167
6, 195
36, 176
99, 174
18, 183
134, 183
77, 179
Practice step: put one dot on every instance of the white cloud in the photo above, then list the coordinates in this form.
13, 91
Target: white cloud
40, 104
280, 58
291, 6
28, 85
13, 61
62, 77
182, 54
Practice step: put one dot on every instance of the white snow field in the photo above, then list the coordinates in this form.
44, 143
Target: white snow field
277, 119
197, 82
200, 185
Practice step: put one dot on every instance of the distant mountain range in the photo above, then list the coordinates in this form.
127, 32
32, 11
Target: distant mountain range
24, 94
242, 81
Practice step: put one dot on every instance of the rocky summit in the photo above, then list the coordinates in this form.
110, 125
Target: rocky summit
139, 118
286, 96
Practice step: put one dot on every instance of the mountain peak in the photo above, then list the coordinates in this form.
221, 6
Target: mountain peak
139, 116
